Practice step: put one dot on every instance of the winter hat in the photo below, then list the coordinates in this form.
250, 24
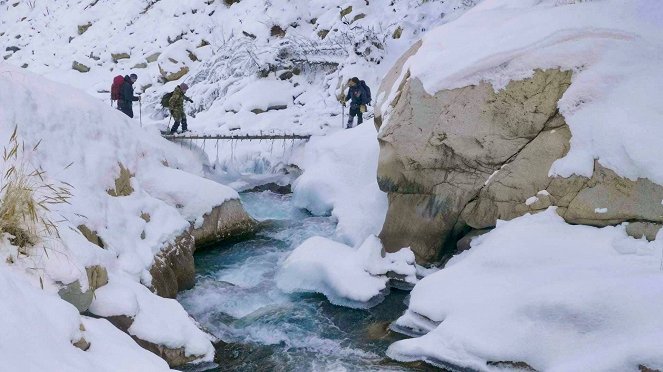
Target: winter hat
134, 76
184, 87
355, 80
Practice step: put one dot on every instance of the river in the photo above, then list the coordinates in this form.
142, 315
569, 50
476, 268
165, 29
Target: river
236, 299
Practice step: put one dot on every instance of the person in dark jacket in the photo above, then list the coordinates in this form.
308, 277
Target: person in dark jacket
356, 96
176, 105
127, 98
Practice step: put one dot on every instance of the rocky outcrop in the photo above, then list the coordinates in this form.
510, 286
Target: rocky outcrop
174, 357
226, 221
97, 277
80, 67
460, 159
174, 270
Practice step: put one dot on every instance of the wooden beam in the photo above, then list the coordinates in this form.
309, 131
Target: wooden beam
240, 137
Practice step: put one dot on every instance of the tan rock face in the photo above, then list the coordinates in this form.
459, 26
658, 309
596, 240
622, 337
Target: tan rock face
174, 270
122, 183
461, 159
226, 221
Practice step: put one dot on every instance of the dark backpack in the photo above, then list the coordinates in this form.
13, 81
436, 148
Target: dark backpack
115, 88
165, 100
367, 92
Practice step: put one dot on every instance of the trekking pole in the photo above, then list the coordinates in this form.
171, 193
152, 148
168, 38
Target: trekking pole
342, 116
140, 110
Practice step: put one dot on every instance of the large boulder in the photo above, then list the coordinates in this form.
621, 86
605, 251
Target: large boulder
175, 357
462, 158
174, 270
226, 221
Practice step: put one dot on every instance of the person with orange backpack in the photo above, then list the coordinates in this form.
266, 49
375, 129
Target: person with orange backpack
123, 92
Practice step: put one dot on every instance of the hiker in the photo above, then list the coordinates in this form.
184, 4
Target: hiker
359, 96
176, 106
126, 98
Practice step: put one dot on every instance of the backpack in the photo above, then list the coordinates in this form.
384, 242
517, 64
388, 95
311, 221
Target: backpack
165, 100
367, 92
115, 88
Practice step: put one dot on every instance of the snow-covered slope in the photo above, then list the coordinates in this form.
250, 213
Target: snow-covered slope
314, 46
84, 144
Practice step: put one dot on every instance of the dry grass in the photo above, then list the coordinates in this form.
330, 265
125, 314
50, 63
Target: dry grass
26, 198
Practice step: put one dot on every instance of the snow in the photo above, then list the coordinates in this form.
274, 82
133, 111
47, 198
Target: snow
601, 210
353, 277
613, 104
260, 95
559, 297
531, 200
83, 142
340, 177
38, 330
150, 313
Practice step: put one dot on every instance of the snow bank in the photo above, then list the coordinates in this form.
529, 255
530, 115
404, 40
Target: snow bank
151, 313
85, 143
261, 95
38, 330
347, 276
340, 177
612, 47
556, 296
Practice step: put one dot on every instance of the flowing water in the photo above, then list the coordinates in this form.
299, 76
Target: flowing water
237, 300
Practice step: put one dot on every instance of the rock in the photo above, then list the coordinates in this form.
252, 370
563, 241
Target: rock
73, 294
229, 220
173, 269
175, 357
323, 34
118, 56
82, 343
462, 158
273, 187
97, 276
346, 11
509, 365
277, 31
79, 67
122, 183
377, 330
235, 357
358, 17
83, 28
152, 57
465, 242
140, 65
398, 32
286, 75
643, 229
91, 236
12, 49
175, 75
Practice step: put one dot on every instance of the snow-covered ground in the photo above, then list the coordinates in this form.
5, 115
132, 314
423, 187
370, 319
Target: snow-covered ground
80, 143
538, 290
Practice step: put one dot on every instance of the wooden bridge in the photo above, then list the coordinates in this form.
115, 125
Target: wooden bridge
238, 136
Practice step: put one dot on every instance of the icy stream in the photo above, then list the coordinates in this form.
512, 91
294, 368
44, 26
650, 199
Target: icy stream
236, 299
